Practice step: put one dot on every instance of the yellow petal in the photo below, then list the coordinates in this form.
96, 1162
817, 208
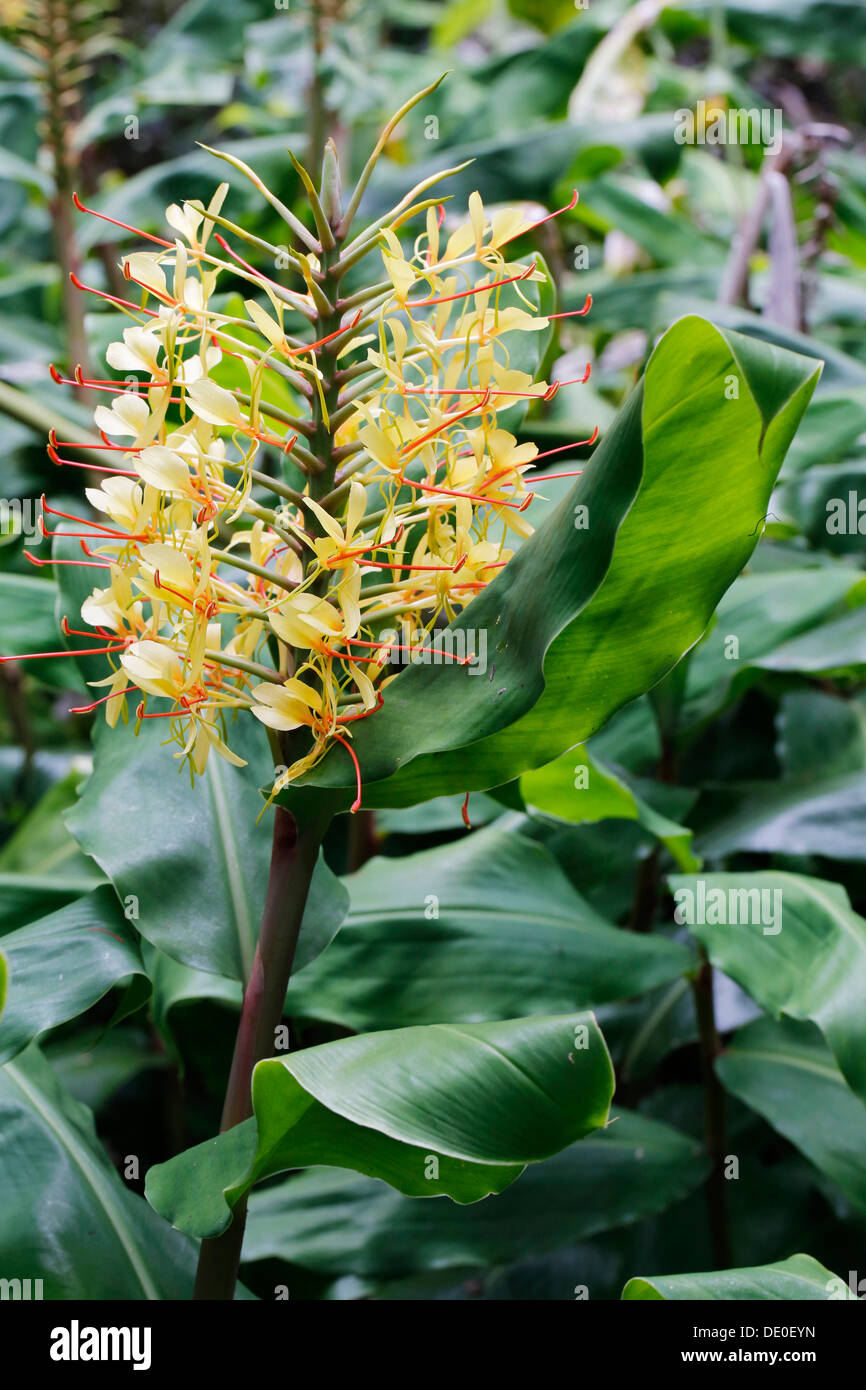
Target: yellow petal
214, 404
162, 469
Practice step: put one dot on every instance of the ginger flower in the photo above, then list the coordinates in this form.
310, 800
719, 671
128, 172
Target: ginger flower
285, 487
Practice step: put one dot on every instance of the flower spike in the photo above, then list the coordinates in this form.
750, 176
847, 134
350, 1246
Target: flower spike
227, 585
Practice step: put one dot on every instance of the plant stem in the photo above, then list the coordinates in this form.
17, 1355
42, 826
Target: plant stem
714, 1114
646, 893
363, 840
295, 849
293, 859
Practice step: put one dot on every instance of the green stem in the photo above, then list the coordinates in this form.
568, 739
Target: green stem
293, 859
714, 1114
318, 111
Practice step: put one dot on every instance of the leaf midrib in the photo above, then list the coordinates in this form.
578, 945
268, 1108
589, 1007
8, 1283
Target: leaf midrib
234, 873
92, 1177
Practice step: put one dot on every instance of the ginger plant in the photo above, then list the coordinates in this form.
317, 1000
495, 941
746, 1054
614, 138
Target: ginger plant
229, 590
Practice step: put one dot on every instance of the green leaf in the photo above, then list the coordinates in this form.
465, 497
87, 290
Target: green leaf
762, 611
785, 1073
175, 985
579, 787
820, 735
448, 1110
93, 1065
802, 815
61, 964
336, 1223
27, 624
803, 953
574, 628
797, 1278
836, 648
42, 847
24, 897
65, 1215
193, 857
487, 927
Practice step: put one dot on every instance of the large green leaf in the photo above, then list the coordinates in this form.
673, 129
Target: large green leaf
333, 1222
193, 857
805, 956
27, 625
24, 897
444, 1109
42, 848
836, 648
65, 1215
489, 927
785, 1073
579, 787
799, 1277
762, 612
820, 735
574, 628
175, 985
61, 964
802, 815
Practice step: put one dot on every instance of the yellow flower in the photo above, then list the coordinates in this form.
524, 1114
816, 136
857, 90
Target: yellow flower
223, 566
307, 622
286, 706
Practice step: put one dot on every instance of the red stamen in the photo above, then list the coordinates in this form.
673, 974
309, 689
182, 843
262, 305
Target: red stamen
90, 467
162, 295
545, 477
88, 709
362, 549
164, 714
81, 651
120, 388
259, 275
308, 347
419, 440
471, 496
356, 804
124, 303
548, 453
105, 932
464, 811
136, 231
574, 313
91, 564
435, 569
541, 221
73, 444
83, 521
365, 714
197, 605
464, 294
77, 632
398, 647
